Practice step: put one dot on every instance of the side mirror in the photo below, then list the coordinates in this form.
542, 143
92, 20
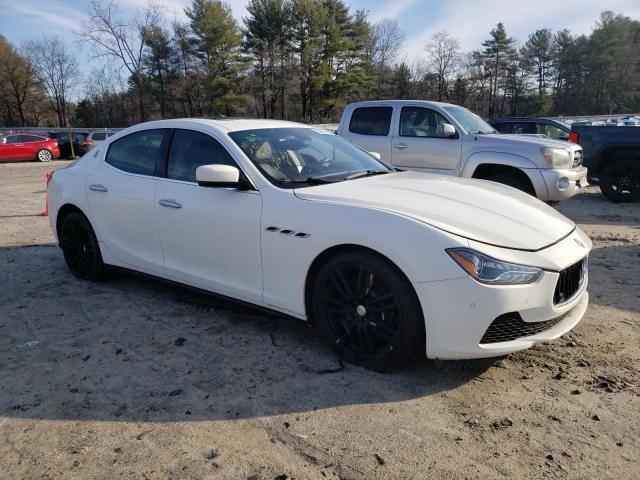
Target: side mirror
375, 155
446, 130
221, 176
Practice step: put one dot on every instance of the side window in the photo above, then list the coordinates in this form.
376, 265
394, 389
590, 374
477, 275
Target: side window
189, 150
99, 136
371, 121
503, 127
420, 122
551, 131
137, 153
524, 127
29, 138
13, 139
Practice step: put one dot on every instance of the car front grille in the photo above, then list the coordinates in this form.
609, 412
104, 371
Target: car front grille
577, 158
570, 281
510, 326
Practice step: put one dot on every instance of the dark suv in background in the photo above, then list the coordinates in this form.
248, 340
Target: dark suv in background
554, 129
93, 139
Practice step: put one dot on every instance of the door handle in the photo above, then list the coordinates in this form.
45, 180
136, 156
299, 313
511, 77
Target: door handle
400, 146
97, 187
169, 202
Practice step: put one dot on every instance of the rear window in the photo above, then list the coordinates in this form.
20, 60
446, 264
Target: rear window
137, 153
371, 121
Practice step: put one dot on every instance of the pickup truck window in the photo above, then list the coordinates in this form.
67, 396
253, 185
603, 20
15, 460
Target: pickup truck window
420, 122
471, 122
371, 121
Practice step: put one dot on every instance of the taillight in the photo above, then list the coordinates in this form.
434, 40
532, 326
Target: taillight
49, 176
87, 142
574, 137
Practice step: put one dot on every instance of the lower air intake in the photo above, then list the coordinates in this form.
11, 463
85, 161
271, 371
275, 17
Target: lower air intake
510, 326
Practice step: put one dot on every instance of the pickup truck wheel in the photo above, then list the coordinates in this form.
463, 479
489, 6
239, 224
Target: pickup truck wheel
515, 181
620, 181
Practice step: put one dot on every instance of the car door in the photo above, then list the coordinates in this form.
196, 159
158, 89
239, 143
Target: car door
370, 129
419, 144
210, 236
30, 146
121, 194
10, 148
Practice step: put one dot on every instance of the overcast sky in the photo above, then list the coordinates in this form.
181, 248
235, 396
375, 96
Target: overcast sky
467, 20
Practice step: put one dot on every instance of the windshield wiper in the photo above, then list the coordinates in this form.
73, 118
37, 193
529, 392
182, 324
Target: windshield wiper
305, 181
366, 173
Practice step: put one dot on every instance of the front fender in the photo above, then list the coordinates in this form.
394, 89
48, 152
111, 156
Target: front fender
529, 168
416, 248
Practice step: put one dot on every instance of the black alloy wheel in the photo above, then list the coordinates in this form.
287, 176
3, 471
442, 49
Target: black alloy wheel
620, 181
367, 310
80, 248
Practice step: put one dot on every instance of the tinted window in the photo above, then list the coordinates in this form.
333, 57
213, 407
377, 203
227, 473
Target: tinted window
99, 136
30, 138
371, 120
136, 153
13, 139
520, 128
420, 122
503, 127
191, 149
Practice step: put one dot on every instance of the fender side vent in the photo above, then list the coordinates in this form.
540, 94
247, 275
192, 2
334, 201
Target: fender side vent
286, 232
302, 235
272, 229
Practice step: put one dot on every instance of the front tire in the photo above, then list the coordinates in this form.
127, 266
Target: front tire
367, 310
620, 181
512, 180
80, 248
44, 155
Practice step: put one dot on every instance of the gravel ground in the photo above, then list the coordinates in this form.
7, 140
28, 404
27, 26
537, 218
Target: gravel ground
132, 378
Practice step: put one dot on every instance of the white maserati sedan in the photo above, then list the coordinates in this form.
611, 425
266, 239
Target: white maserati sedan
297, 220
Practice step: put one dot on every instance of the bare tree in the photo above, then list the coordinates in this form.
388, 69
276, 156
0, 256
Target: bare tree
17, 82
122, 40
444, 52
57, 70
386, 41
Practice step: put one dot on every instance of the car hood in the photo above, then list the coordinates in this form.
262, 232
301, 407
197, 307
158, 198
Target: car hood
515, 141
475, 209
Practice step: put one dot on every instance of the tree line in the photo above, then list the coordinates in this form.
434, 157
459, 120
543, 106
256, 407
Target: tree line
304, 60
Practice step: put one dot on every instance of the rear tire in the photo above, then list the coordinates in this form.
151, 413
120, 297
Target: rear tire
367, 311
80, 248
512, 180
620, 181
44, 155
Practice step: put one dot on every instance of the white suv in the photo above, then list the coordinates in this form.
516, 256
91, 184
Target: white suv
448, 139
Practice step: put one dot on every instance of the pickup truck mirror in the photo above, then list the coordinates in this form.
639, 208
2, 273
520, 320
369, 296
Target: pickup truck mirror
446, 130
375, 155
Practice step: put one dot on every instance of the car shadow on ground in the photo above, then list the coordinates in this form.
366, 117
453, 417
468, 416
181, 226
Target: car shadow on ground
133, 349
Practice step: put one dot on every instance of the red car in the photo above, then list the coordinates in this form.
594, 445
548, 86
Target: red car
28, 146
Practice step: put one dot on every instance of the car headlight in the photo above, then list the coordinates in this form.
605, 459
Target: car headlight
488, 270
557, 157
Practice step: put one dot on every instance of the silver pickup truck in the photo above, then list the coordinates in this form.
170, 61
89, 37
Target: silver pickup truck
447, 139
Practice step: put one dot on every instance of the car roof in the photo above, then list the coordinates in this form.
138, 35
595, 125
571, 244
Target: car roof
373, 103
224, 124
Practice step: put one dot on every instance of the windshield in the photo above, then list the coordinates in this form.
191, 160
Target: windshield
305, 156
471, 122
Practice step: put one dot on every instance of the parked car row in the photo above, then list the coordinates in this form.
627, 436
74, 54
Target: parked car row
50, 146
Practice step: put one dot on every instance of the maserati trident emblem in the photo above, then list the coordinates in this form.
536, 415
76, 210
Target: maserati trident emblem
579, 242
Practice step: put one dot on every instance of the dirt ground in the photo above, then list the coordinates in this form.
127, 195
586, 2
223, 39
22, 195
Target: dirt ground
132, 378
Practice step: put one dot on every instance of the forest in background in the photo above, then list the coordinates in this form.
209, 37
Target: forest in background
304, 60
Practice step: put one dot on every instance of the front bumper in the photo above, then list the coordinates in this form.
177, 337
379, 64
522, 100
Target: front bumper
459, 311
564, 183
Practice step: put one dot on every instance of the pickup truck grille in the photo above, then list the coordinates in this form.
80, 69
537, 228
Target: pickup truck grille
570, 281
577, 158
